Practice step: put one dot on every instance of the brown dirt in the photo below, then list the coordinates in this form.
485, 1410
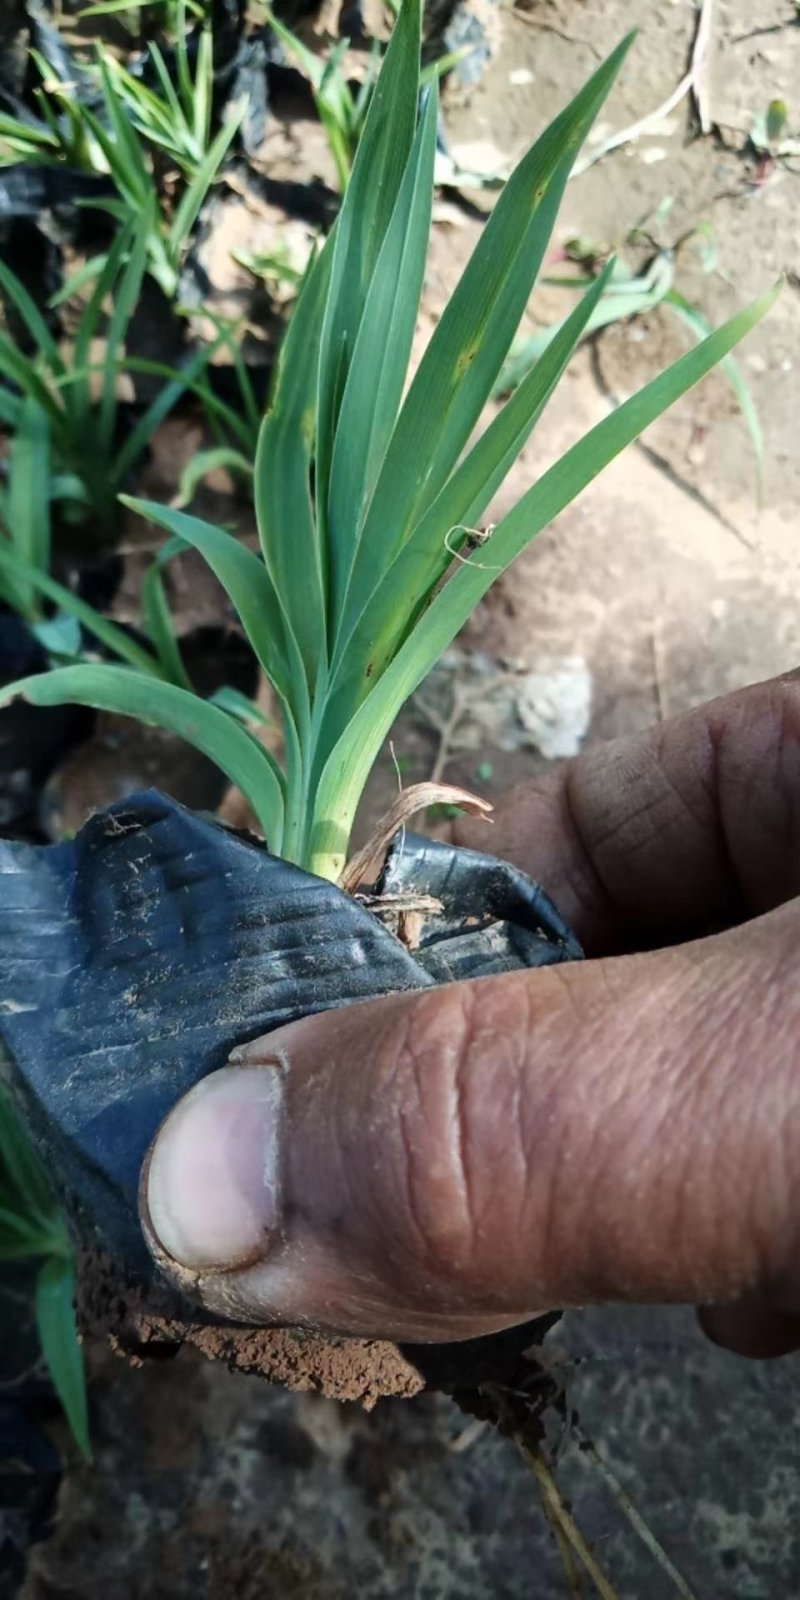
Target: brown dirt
145, 1327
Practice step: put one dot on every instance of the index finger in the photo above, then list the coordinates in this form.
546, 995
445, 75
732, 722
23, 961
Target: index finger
660, 836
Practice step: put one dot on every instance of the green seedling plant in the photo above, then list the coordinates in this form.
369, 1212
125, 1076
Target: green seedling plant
342, 111
773, 142
128, 161
64, 623
629, 294
76, 393
32, 1228
136, 122
175, 118
368, 491
69, 629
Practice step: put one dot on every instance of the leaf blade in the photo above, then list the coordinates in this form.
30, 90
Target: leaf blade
243, 577
282, 474
423, 560
365, 214
58, 1333
20, 1165
699, 326
373, 392
148, 700
29, 495
460, 365
159, 627
108, 633
346, 769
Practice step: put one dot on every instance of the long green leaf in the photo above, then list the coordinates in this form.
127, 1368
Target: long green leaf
160, 630
199, 95
29, 313
700, 327
461, 363
85, 274
282, 482
381, 354
25, 139
243, 577
29, 495
366, 212
58, 1332
423, 560
126, 156
180, 382
169, 110
79, 401
108, 633
216, 409
22, 372
227, 331
194, 197
131, 694
347, 767
250, 588
127, 292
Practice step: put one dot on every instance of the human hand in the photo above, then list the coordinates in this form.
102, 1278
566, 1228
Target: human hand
445, 1163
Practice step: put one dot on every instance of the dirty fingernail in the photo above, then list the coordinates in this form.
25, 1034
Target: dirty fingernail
211, 1189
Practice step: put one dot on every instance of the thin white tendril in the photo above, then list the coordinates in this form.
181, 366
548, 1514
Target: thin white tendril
480, 536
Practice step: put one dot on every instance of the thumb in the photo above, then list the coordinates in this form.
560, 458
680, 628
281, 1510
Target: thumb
438, 1165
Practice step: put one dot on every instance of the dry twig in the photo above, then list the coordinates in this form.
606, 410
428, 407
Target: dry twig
626, 1505
365, 866
693, 82
558, 1513
445, 726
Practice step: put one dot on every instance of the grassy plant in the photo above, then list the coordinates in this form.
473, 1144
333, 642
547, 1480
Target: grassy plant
76, 634
26, 584
175, 118
56, 133
72, 395
367, 490
32, 1227
25, 510
628, 295
341, 111
70, 630
130, 167
119, 143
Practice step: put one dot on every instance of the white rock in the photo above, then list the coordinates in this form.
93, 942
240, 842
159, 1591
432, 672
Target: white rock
554, 705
